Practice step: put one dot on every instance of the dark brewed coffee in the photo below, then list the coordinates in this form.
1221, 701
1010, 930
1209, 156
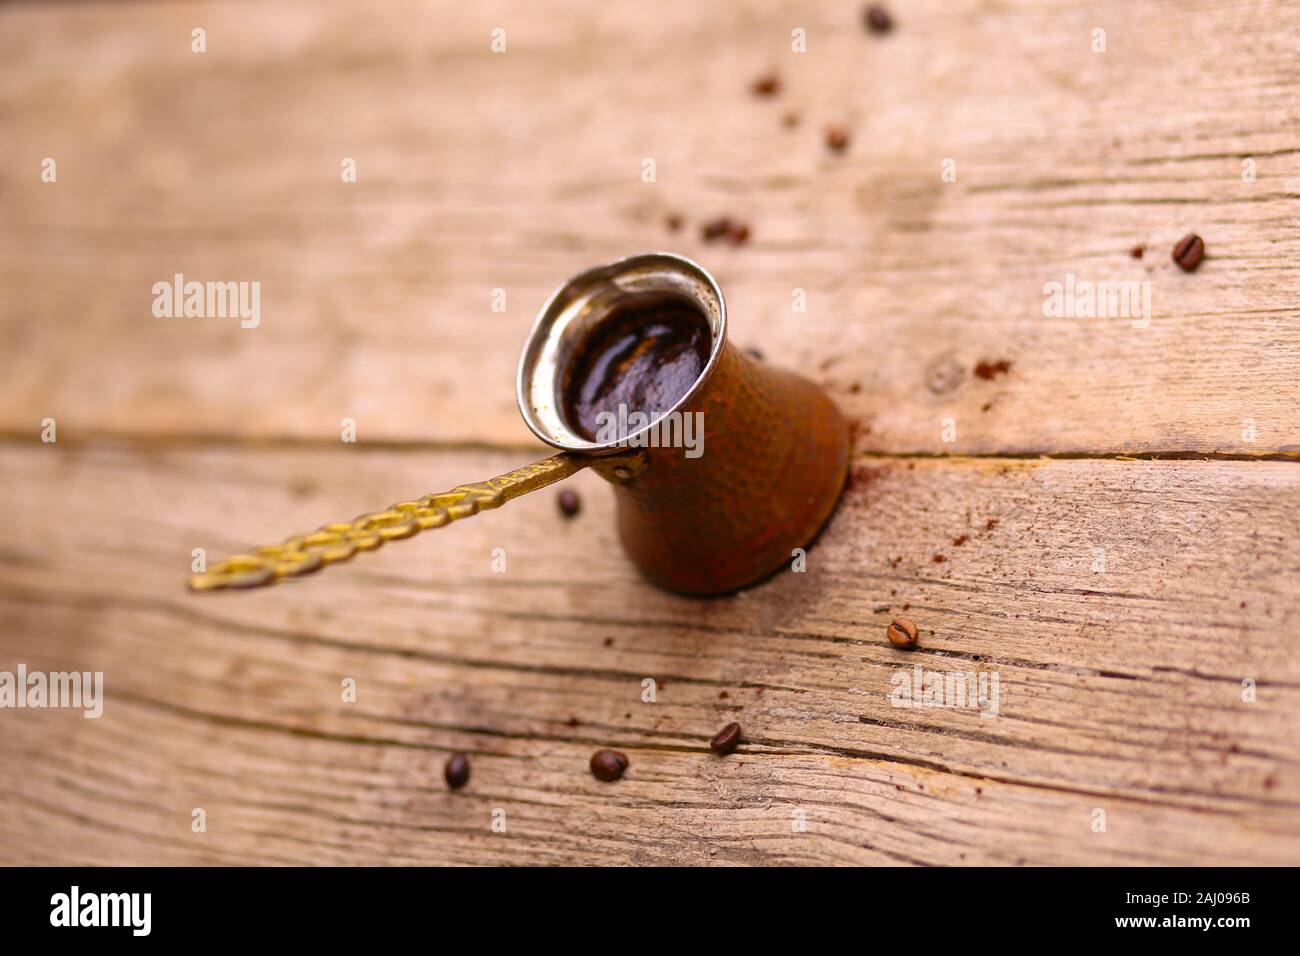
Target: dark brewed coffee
643, 358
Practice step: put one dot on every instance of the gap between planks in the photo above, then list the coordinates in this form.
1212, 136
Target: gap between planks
149, 441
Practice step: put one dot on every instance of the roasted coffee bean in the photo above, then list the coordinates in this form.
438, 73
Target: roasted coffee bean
569, 502
456, 772
988, 370
837, 139
902, 633
716, 229
877, 19
737, 233
608, 765
1189, 251
726, 740
766, 85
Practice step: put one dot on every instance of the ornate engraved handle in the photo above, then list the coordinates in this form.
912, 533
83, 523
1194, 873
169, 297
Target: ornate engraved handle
305, 553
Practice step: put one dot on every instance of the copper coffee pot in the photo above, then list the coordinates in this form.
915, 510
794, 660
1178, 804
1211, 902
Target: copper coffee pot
767, 475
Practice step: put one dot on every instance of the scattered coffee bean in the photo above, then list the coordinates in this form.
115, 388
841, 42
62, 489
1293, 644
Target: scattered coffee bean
877, 19
901, 633
456, 772
837, 139
608, 765
726, 740
570, 503
1189, 251
790, 120
1138, 251
990, 370
673, 222
767, 85
725, 228
715, 229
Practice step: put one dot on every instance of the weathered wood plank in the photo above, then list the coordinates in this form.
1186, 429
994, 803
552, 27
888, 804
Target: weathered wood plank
481, 171
1120, 689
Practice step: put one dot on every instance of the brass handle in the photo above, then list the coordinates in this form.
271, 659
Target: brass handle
305, 553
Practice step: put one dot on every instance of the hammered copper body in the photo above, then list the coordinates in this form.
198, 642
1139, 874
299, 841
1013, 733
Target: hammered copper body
774, 465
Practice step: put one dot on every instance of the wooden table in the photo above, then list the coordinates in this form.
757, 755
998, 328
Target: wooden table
1113, 531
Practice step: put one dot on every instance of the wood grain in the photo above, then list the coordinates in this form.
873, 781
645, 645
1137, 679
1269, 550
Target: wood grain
1120, 690
1112, 533
481, 171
